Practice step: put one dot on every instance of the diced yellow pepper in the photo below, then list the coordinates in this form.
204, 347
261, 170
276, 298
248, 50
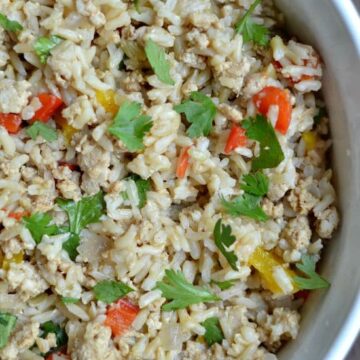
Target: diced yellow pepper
265, 262
310, 140
17, 258
67, 130
107, 100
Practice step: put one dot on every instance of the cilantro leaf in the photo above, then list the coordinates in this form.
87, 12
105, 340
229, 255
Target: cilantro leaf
9, 25
224, 285
38, 128
109, 291
7, 324
69, 300
39, 225
43, 46
213, 332
223, 240
71, 245
250, 30
200, 111
50, 327
130, 127
255, 184
246, 205
137, 5
143, 186
158, 62
313, 280
321, 113
176, 288
271, 154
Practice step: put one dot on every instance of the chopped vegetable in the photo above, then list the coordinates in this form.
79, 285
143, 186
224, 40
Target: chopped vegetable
109, 291
256, 184
271, 154
120, 316
59, 355
69, 300
50, 327
158, 62
43, 46
200, 111
273, 96
183, 162
7, 325
67, 130
321, 114
213, 332
137, 5
224, 285
11, 122
223, 240
107, 100
250, 30
72, 167
71, 245
130, 127
16, 259
246, 205
39, 225
9, 25
18, 215
313, 280
237, 138
265, 262
142, 186
310, 139
175, 287
40, 129
50, 104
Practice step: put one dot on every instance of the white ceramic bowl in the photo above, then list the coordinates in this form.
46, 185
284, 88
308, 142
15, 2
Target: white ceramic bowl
331, 319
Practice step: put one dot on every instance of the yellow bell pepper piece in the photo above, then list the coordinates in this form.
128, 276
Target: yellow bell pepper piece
310, 140
17, 259
107, 100
265, 262
67, 130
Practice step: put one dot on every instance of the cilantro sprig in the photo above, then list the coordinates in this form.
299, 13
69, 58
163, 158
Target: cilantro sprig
176, 288
39, 224
223, 240
271, 154
213, 332
250, 30
157, 59
51, 327
7, 325
312, 280
130, 127
38, 128
224, 285
43, 46
9, 25
200, 112
109, 291
69, 300
142, 186
256, 184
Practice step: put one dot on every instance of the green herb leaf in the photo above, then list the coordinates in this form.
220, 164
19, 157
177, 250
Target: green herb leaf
251, 31
158, 62
69, 300
224, 239
143, 186
256, 184
213, 332
271, 154
7, 324
130, 127
246, 205
50, 327
321, 113
200, 111
137, 5
176, 288
109, 291
313, 280
224, 285
39, 225
9, 25
71, 245
43, 46
38, 128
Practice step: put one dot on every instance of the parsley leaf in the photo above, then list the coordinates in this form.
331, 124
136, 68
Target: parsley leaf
109, 291
176, 288
223, 240
200, 111
50, 327
246, 205
250, 30
9, 25
271, 154
7, 324
224, 285
313, 280
158, 62
213, 332
130, 127
255, 184
69, 300
143, 186
38, 128
43, 46
39, 225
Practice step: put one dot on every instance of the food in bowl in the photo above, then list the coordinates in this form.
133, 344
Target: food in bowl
164, 186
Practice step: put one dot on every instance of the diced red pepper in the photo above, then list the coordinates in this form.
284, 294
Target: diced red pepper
120, 316
302, 294
270, 96
72, 167
50, 103
57, 356
11, 122
18, 215
236, 139
183, 162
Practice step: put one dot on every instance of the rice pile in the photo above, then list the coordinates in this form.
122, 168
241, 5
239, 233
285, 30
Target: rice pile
102, 52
